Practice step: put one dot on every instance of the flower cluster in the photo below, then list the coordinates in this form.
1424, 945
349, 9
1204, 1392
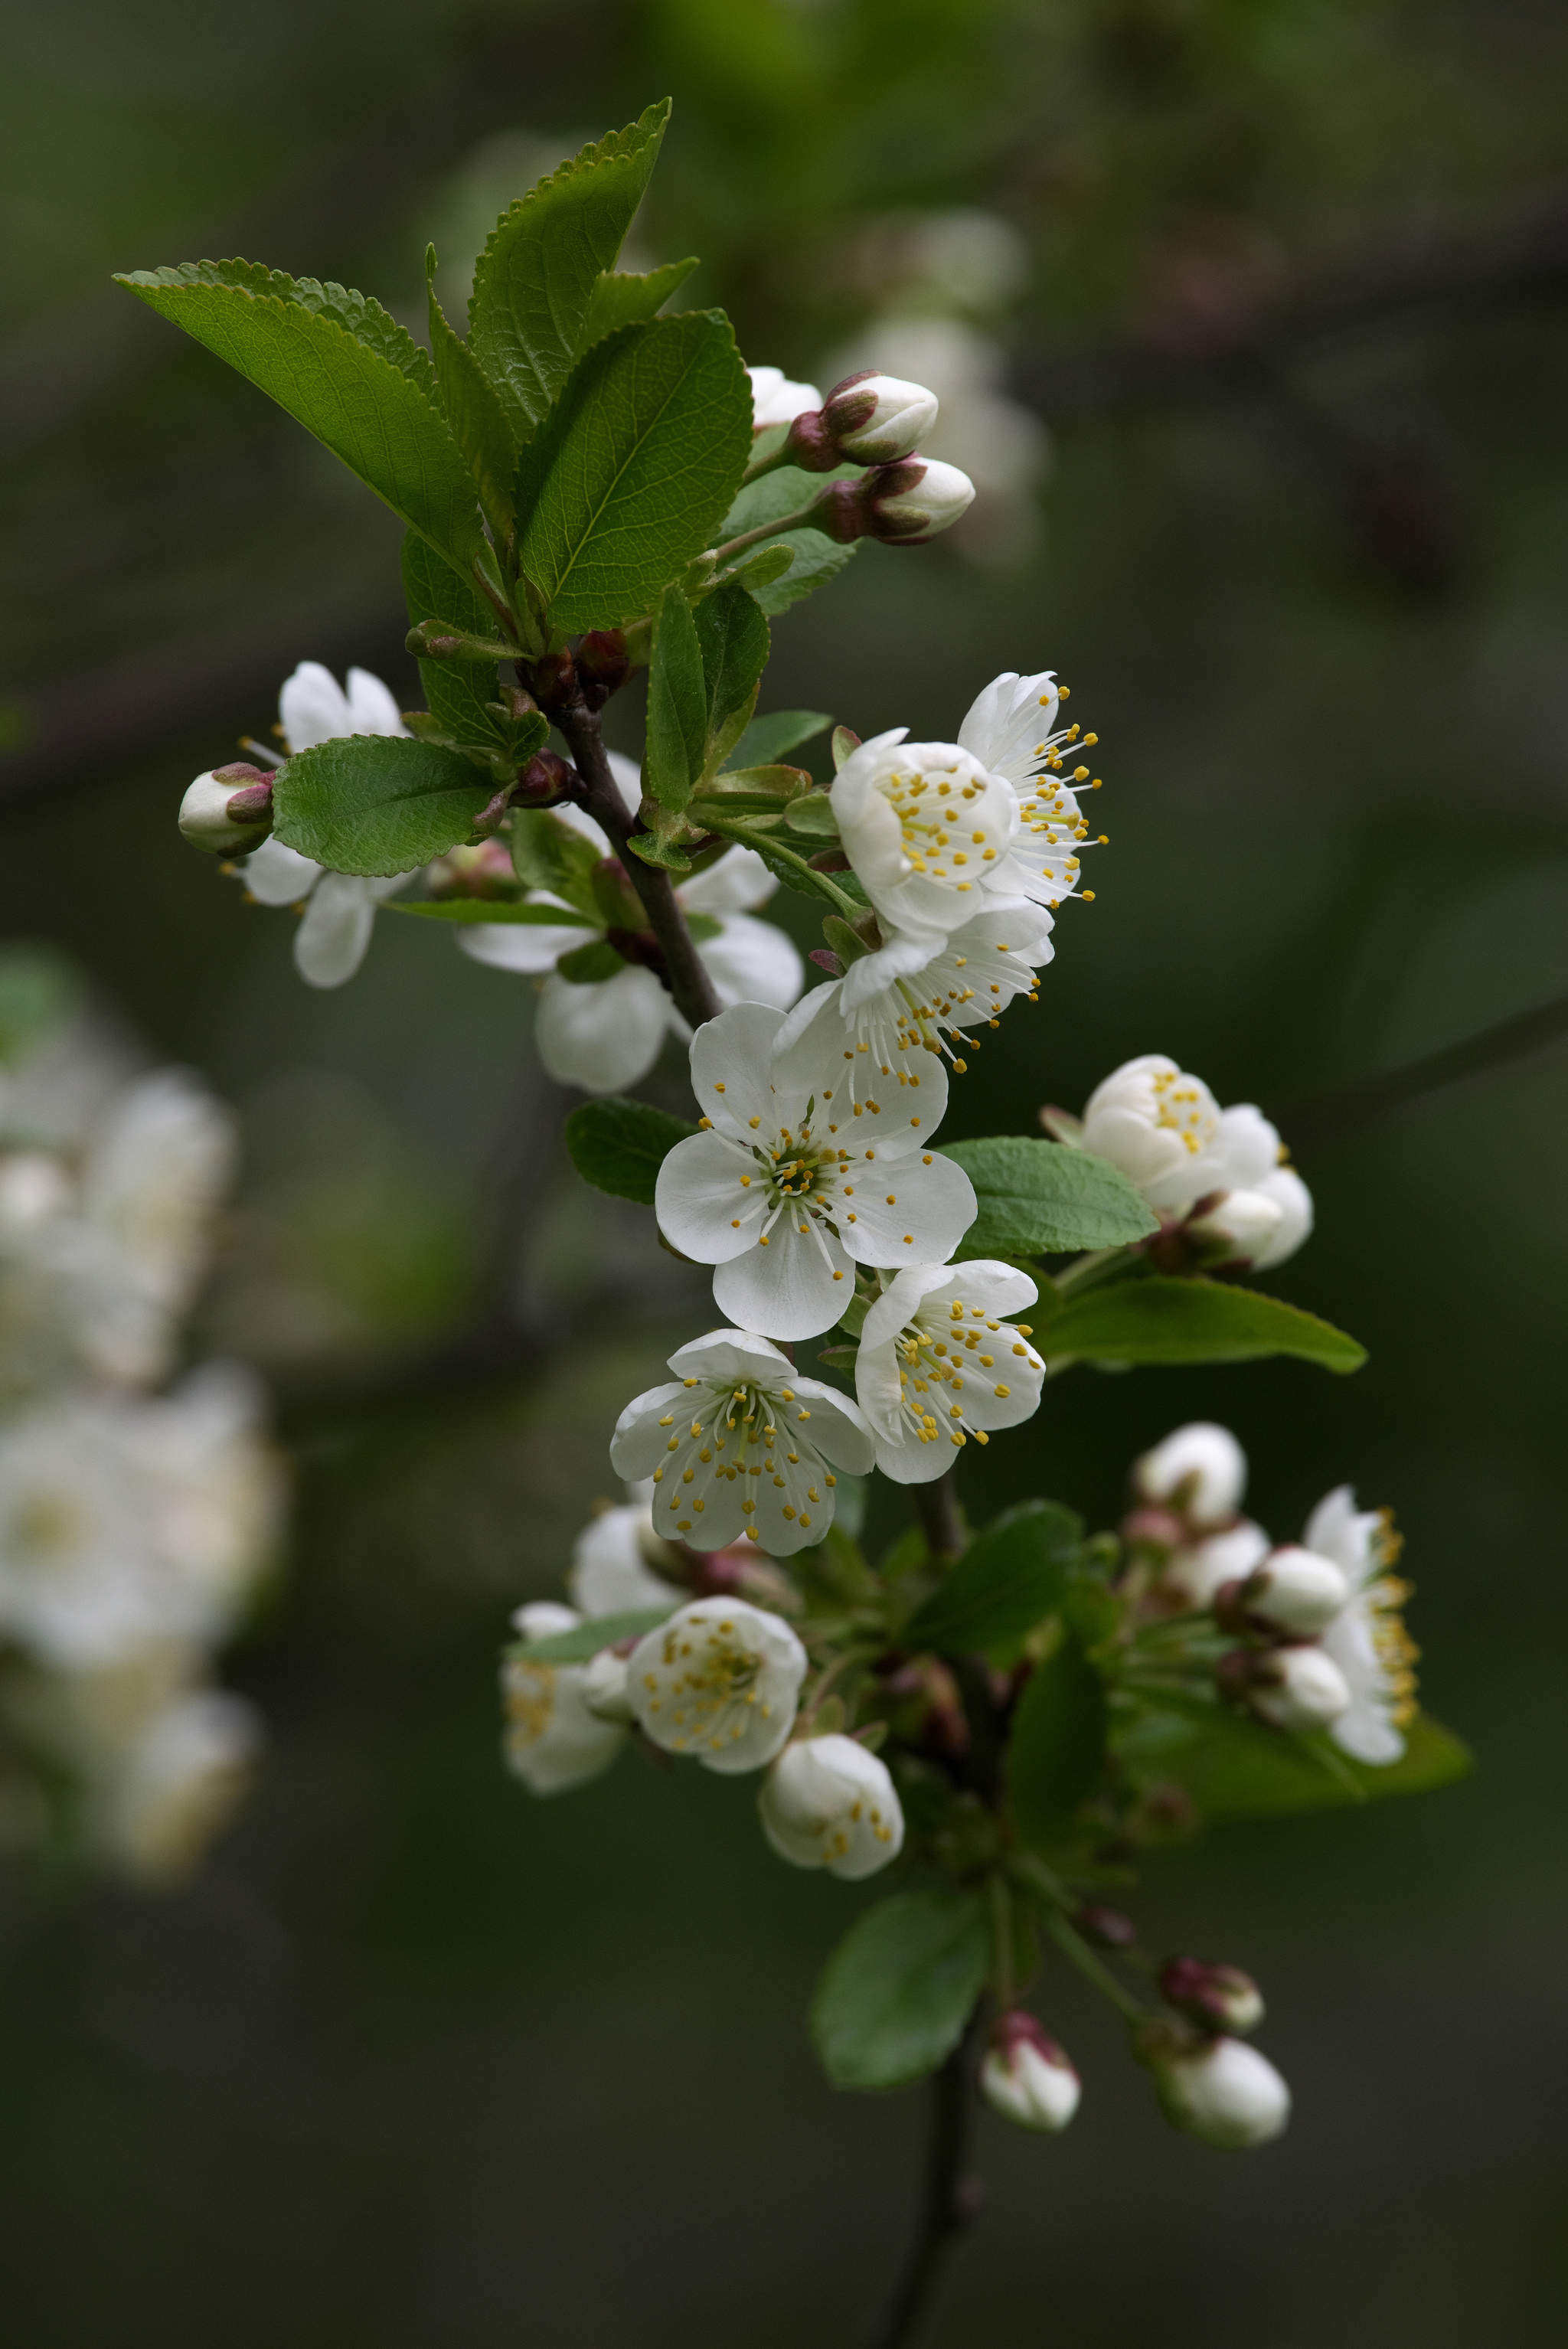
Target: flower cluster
1321, 1642
133, 1523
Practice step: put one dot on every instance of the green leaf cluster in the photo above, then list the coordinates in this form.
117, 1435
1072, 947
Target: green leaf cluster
619, 1145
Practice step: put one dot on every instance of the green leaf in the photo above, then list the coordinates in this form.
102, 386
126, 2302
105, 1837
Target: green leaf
489, 909
535, 282
734, 639
585, 1640
548, 854
1162, 1320
813, 817
766, 739
364, 389
377, 804
621, 300
619, 1145
629, 477
817, 557
1235, 1768
817, 560
455, 691
1057, 1743
677, 706
1009, 1579
473, 409
897, 1991
589, 965
1041, 1197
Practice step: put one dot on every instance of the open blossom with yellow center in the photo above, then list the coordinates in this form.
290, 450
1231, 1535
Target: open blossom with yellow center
740, 1447
718, 1682
1170, 1137
940, 1365
929, 833
797, 1180
1011, 729
827, 1803
892, 1027
1368, 1639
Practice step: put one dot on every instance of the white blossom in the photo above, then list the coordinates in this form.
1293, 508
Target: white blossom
605, 1690
776, 400
796, 1181
718, 1682
930, 835
876, 419
1295, 1591
1297, 1689
940, 1364
1196, 1572
128, 1522
1011, 729
1368, 1639
1168, 1135
1199, 1470
552, 1740
614, 1562
827, 1803
177, 1784
604, 1034
1026, 2077
727, 1445
984, 966
334, 936
1224, 2091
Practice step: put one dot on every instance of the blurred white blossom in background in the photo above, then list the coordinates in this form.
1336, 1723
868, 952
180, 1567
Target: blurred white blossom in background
134, 1524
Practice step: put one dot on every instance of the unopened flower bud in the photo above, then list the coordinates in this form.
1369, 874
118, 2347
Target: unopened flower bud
544, 781
870, 419
227, 810
1222, 2091
1245, 1223
1216, 1998
1200, 1470
1293, 1592
1026, 2077
903, 504
1294, 1689
602, 665
553, 679
827, 1803
604, 1686
1106, 1928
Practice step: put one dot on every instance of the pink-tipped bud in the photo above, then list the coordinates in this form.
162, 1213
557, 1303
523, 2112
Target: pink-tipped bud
1025, 2076
877, 418
1294, 1688
1216, 1998
228, 810
903, 504
544, 781
602, 665
1106, 1928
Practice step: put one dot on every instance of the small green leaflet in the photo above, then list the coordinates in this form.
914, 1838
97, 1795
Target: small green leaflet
1057, 1743
473, 409
733, 635
585, 1640
342, 369
1163, 1320
629, 476
897, 1991
535, 282
377, 804
456, 692
489, 909
817, 557
619, 1145
1235, 1768
621, 300
677, 706
767, 739
1042, 1199
1009, 1579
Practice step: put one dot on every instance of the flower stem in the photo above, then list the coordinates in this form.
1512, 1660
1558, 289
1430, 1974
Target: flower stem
948, 2205
1074, 1948
936, 1507
683, 973
735, 546
819, 882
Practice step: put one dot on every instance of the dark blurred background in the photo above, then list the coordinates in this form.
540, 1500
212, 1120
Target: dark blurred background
1253, 323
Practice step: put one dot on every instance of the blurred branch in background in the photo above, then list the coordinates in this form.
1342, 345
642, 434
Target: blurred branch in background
1365, 1105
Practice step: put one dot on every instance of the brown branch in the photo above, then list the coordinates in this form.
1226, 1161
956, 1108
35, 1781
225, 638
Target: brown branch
949, 2202
1346, 1111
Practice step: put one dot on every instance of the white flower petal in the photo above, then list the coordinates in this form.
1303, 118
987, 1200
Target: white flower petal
313, 708
787, 1288
333, 938
710, 1199
930, 1209
752, 962
276, 876
1008, 723
605, 1035
639, 1443
372, 708
734, 882
610, 1574
730, 1062
522, 946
